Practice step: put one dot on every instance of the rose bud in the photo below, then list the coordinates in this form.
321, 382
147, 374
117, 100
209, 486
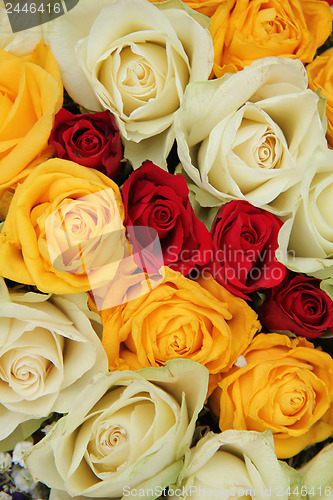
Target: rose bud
299, 306
91, 139
156, 199
244, 243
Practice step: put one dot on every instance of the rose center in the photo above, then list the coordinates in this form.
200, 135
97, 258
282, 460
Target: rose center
292, 403
249, 236
258, 143
88, 142
178, 344
109, 437
24, 374
141, 72
161, 215
265, 151
312, 307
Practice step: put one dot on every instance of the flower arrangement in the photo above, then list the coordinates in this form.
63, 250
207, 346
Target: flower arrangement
166, 249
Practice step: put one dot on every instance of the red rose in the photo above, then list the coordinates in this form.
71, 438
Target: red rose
156, 199
299, 306
92, 140
244, 245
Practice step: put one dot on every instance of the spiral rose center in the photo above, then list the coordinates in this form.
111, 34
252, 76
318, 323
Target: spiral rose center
257, 142
268, 22
139, 72
109, 437
25, 374
178, 344
249, 236
265, 151
161, 217
312, 306
292, 403
88, 142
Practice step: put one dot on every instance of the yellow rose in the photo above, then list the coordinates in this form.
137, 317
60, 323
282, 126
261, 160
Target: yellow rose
180, 318
30, 96
320, 73
245, 30
63, 224
286, 386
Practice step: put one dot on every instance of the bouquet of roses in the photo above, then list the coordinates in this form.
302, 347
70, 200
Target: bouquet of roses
166, 249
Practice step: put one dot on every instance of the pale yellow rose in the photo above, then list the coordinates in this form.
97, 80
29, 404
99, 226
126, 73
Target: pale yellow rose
135, 59
318, 475
306, 238
235, 464
126, 430
43, 342
247, 135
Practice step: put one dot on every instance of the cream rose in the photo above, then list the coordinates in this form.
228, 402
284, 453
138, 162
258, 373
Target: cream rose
245, 136
43, 342
126, 431
306, 238
134, 59
235, 464
318, 475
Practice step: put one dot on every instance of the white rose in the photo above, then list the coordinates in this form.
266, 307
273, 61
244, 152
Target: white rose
306, 238
126, 431
235, 464
48, 353
134, 59
245, 135
318, 475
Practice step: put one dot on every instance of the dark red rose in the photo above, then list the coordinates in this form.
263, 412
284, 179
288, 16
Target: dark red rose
298, 305
156, 199
244, 245
91, 139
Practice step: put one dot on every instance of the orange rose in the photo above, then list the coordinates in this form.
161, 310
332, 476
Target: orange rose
30, 96
286, 386
245, 30
64, 226
179, 319
320, 73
